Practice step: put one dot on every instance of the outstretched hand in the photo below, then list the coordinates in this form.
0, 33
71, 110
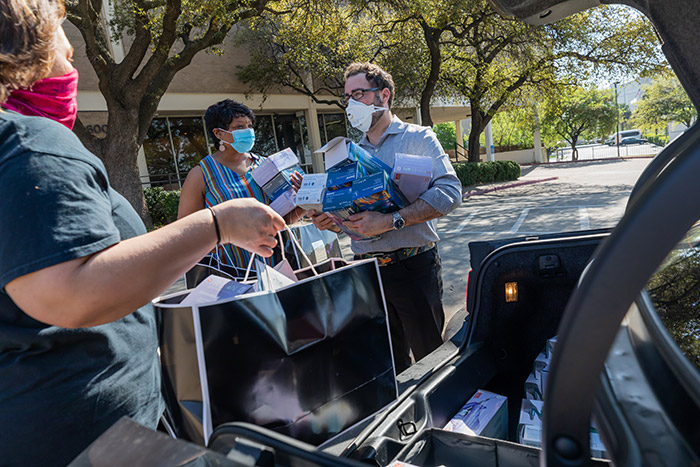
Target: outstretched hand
249, 224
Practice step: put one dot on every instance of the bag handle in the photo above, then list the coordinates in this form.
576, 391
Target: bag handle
298, 247
294, 242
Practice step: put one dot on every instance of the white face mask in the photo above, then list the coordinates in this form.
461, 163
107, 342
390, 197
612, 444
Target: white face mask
360, 115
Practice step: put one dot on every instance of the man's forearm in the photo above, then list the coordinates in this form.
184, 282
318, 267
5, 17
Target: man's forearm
418, 212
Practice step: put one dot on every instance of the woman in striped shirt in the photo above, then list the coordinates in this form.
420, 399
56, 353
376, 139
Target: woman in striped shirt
227, 174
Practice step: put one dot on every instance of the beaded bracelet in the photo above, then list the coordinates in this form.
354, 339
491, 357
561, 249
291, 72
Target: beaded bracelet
216, 226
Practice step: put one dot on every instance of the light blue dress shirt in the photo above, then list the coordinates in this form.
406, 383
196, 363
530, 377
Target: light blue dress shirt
444, 193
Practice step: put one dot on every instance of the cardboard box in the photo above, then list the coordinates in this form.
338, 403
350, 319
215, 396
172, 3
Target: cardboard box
281, 182
531, 412
485, 414
341, 150
274, 164
311, 198
533, 387
551, 343
313, 181
339, 200
338, 206
530, 423
285, 203
543, 381
342, 176
541, 363
312, 191
377, 193
530, 428
530, 435
412, 174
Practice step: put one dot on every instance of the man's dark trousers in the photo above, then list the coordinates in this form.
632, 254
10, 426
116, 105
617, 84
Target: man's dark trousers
413, 291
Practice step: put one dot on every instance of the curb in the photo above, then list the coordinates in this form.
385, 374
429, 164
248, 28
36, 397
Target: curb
602, 159
502, 187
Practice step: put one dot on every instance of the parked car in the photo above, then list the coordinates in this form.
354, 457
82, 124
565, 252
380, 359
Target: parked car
623, 135
632, 140
624, 304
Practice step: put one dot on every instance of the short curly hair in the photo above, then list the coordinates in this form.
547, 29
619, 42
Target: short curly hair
374, 74
221, 114
27, 41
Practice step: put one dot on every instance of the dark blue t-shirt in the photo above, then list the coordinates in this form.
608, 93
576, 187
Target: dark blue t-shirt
61, 388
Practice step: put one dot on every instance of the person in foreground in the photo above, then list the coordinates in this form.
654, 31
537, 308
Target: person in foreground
227, 174
78, 341
405, 241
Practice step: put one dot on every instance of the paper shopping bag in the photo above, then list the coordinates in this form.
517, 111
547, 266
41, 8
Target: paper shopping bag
308, 360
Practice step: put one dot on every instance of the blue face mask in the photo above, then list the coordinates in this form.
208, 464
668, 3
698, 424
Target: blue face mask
243, 140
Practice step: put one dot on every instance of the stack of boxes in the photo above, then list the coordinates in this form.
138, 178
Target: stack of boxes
486, 413
530, 423
273, 175
357, 181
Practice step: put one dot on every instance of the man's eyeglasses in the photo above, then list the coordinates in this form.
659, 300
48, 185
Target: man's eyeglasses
356, 94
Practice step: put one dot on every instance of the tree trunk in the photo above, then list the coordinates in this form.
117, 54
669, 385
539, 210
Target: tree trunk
119, 155
474, 134
432, 37
574, 152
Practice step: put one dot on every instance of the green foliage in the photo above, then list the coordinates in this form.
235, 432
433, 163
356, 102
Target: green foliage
307, 49
578, 113
473, 173
514, 128
446, 134
659, 140
664, 101
496, 61
162, 204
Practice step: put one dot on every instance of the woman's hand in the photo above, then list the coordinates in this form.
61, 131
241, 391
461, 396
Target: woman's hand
249, 224
296, 179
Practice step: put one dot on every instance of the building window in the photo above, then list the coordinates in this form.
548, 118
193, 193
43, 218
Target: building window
331, 126
174, 145
265, 140
159, 154
189, 141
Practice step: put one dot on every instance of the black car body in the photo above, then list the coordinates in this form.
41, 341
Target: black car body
632, 140
604, 293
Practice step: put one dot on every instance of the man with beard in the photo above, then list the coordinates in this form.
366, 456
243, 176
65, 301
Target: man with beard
404, 242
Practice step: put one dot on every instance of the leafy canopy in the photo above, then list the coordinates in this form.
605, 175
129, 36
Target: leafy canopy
664, 101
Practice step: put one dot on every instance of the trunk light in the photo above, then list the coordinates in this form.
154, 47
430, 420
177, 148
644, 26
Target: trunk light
511, 292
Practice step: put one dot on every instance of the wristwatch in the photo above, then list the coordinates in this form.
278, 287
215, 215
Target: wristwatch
399, 221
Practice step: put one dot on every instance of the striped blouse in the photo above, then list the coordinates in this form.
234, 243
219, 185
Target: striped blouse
223, 184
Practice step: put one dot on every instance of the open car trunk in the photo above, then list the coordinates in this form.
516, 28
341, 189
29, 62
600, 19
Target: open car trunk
500, 341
